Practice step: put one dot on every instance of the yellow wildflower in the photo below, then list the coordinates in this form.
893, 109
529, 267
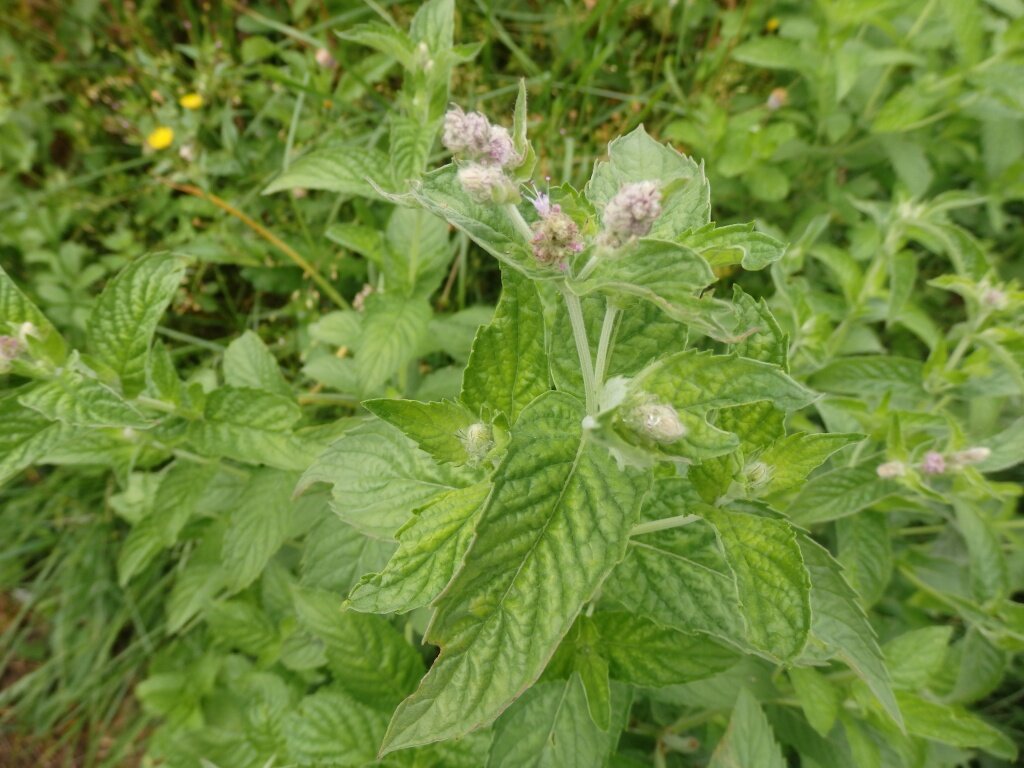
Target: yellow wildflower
161, 138
191, 101
772, 25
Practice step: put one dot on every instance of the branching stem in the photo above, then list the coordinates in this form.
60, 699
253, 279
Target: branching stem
579, 334
604, 345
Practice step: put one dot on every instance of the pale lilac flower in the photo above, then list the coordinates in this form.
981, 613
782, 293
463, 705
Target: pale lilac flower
466, 133
934, 463
631, 213
501, 149
555, 238
994, 298
486, 183
891, 469
324, 59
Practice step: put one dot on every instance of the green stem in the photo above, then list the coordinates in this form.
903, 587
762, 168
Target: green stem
520, 223
156, 405
579, 334
604, 345
664, 524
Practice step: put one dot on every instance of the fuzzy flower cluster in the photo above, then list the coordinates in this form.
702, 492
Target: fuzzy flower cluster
556, 236
657, 422
10, 348
935, 463
631, 213
486, 150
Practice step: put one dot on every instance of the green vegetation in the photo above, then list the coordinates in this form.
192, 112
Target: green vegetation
671, 418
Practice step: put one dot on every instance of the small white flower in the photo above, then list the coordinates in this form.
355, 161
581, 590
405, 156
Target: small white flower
658, 422
466, 133
631, 213
972, 455
324, 58
486, 183
891, 469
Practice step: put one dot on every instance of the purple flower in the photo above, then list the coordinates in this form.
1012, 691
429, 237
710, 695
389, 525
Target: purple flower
934, 463
631, 213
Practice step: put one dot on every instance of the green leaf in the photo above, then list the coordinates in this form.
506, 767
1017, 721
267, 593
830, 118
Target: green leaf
953, 725
990, 579
248, 363
771, 53
335, 555
410, 143
791, 459
774, 589
179, 491
125, 316
418, 251
766, 342
371, 660
258, 526
915, 656
431, 545
346, 169
734, 244
556, 522
840, 493
678, 577
898, 377
393, 330
16, 309
508, 366
818, 698
379, 477
73, 399
686, 201
865, 552
241, 625
330, 728
434, 25
661, 272
840, 623
549, 727
748, 741
26, 436
642, 652
437, 428
252, 426
388, 40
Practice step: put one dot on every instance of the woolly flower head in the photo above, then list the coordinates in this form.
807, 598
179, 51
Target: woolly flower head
971, 455
555, 237
477, 439
891, 469
934, 463
631, 213
466, 133
487, 183
658, 422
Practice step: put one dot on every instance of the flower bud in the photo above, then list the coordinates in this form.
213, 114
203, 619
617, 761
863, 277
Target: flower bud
487, 184
478, 440
891, 469
934, 463
632, 212
758, 473
657, 422
324, 59
466, 133
994, 298
501, 150
10, 348
555, 238
777, 99
359, 300
971, 455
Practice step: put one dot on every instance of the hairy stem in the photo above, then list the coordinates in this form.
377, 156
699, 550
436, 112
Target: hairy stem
579, 334
520, 223
604, 345
664, 524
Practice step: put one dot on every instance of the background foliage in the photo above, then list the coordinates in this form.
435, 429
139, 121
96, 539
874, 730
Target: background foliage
163, 593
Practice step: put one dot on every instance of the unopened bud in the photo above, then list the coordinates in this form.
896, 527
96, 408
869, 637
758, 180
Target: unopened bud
972, 455
487, 184
324, 59
994, 298
934, 463
891, 469
501, 150
777, 99
466, 133
359, 300
758, 473
478, 440
632, 212
658, 422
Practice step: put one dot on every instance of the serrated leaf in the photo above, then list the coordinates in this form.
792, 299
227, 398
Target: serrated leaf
686, 203
642, 652
258, 526
840, 622
734, 244
175, 501
748, 741
990, 579
431, 546
865, 552
347, 169
508, 365
379, 477
336, 555
549, 727
418, 251
393, 329
953, 725
898, 377
252, 426
437, 428
434, 25
73, 399
193, 588
26, 437
489, 226
678, 577
915, 656
238, 624
16, 309
772, 582
330, 728
554, 525
381, 37
791, 459
248, 363
842, 492
767, 342
124, 317
818, 698
410, 143
380, 678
